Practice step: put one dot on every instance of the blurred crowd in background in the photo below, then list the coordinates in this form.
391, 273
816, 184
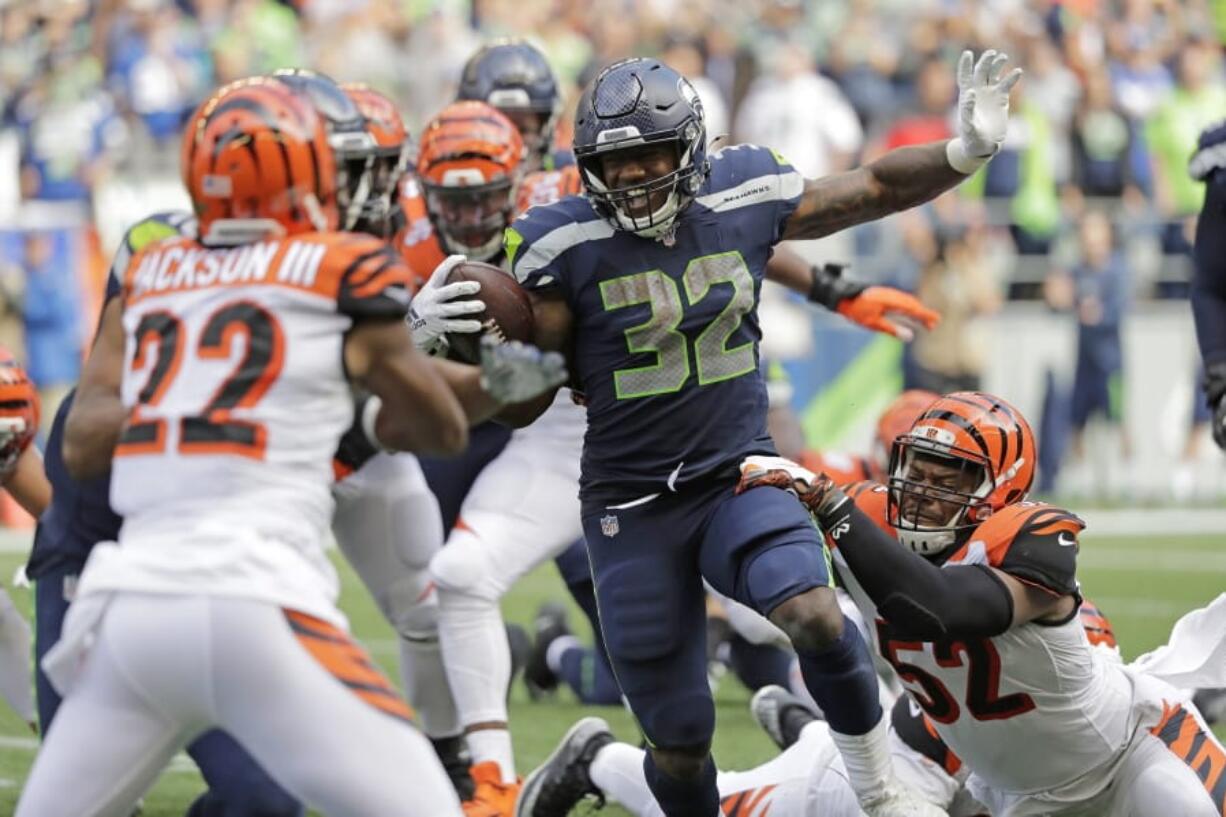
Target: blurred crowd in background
1089, 207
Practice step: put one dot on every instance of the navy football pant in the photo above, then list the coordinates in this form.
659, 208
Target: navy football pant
238, 787
585, 670
648, 562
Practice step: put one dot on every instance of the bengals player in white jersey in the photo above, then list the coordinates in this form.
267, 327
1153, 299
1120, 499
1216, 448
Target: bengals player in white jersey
977, 613
220, 385
21, 475
807, 780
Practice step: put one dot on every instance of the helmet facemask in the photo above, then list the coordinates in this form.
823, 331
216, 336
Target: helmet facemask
649, 208
535, 124
937, 492
470, 219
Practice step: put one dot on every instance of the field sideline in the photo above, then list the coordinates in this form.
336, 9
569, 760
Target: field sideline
1143, 583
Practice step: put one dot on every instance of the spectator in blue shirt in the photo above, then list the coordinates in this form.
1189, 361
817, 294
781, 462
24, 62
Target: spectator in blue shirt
1096, 290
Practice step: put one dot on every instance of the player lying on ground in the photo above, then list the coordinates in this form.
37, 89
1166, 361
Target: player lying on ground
808, 778
977, 613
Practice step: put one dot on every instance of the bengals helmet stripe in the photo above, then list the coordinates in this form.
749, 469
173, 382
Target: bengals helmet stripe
975, 431
257, 153
960, 421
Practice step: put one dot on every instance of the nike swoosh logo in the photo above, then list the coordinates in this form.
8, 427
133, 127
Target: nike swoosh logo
1068, 543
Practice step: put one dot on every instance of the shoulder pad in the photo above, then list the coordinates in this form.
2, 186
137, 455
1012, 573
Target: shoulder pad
872, 500
539, 239
1032, 541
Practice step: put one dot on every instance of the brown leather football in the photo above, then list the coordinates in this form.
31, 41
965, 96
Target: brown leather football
508, 309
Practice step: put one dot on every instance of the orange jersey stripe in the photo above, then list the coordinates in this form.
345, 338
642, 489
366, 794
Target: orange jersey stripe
1183, 735
347, 662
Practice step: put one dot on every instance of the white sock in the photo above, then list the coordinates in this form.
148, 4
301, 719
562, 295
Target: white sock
867, 759
493, 744
426, 687
617, 770
15, 660
557, 649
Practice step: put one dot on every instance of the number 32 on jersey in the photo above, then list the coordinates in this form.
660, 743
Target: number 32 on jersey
660, 334
162, 336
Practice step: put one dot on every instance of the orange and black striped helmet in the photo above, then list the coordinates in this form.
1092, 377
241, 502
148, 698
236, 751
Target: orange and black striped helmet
255, 160
390, 154
469, 163
966, 456
19, 410
896, 420
1097, 626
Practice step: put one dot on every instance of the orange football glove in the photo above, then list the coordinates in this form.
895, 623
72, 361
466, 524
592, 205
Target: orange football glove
19, 409
875, 306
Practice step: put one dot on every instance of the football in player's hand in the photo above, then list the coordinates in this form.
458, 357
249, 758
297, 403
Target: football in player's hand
508, 309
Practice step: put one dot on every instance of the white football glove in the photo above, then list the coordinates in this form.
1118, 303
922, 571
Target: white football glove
513, 372
983, 109
434, 312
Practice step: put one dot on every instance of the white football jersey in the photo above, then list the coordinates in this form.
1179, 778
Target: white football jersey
1035, 708
237, 394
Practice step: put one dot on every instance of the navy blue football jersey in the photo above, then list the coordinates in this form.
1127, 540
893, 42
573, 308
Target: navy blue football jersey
80, 514
666, 333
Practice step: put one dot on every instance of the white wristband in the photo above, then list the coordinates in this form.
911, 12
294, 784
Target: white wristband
960, 160
370, 413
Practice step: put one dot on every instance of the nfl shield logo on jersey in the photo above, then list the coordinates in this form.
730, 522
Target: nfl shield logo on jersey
609, 526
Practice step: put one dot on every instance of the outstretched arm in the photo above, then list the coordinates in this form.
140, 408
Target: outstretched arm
908, 176
873, 307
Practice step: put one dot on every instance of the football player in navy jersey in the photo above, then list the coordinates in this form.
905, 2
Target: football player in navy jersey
514, 77
650, 284
1209, 278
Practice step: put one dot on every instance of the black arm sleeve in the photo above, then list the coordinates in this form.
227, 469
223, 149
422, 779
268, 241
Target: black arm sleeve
917, 598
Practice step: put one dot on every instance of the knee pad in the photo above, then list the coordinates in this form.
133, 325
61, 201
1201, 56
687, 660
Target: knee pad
639, 616
679, 719
462, 567
781, 572
411, 607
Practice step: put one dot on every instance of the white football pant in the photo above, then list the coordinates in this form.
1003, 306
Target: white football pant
387, 524
165, 668
522, 510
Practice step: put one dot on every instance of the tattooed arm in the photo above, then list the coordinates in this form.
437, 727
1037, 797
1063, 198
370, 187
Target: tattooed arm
897, 181
909, 176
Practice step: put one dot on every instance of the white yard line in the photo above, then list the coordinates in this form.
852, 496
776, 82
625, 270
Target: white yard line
1153, 560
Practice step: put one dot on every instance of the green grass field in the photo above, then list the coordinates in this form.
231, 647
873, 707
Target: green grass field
1142, 584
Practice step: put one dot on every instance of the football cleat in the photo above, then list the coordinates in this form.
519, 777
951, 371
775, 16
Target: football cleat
454, 756
491, 797
554, 787
781, 714
550, 624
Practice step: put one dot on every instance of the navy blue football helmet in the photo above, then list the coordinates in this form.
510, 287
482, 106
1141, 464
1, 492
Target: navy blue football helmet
633, 103
514, 77
355, 149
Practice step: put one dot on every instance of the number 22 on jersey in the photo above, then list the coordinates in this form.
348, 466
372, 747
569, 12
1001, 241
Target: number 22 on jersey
162, 336
660, 335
